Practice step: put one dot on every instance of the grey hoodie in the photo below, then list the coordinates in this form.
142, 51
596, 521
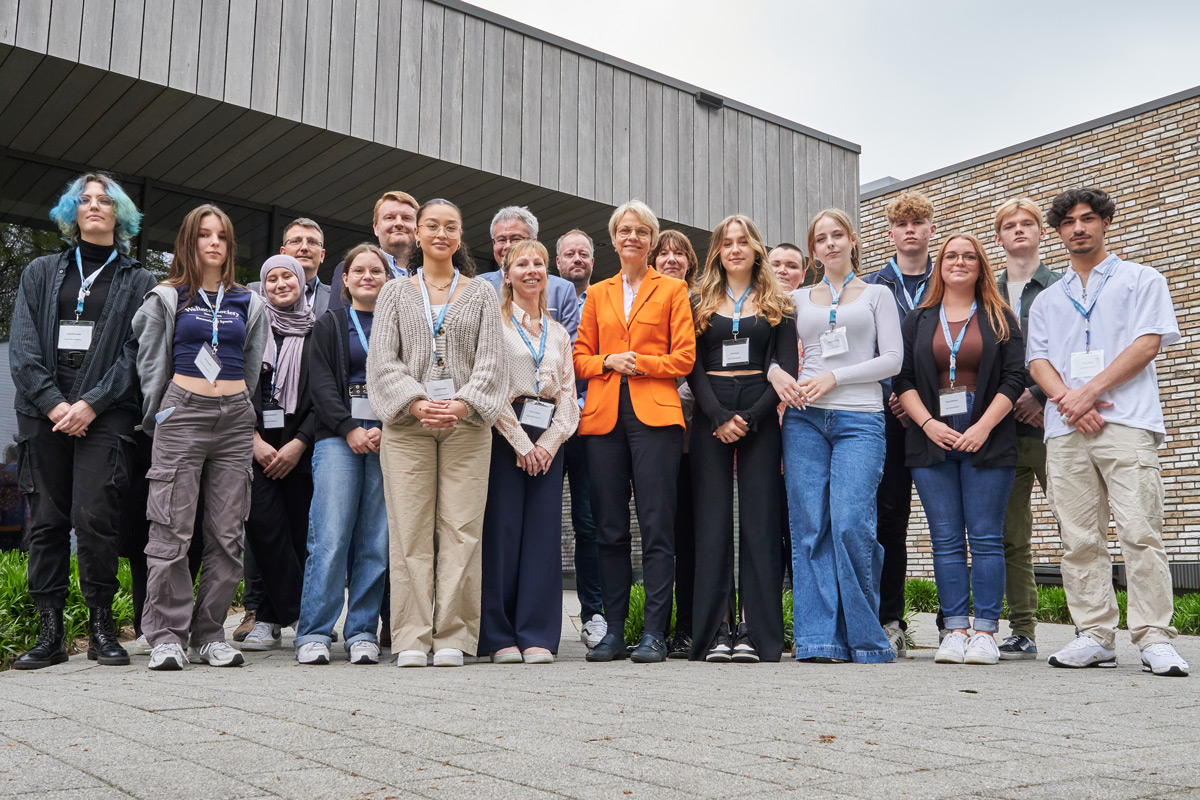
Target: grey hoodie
154, 327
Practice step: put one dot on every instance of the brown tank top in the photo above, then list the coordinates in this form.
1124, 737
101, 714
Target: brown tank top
966, 371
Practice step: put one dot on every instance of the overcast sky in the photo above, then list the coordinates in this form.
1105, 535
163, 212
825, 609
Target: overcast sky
918, 85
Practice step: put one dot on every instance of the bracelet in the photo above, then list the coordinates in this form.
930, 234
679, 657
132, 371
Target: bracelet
926, 422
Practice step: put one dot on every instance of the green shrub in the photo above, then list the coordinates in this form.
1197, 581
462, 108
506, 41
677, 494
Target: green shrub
789, 626
1052, 605
921, 596
636, 621
1122, 609
1187, 614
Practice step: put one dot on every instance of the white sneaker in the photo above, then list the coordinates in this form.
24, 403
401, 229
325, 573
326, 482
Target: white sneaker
364, 652
412, 658
1083, 652
593, 631
1161, 659
981, 649
264, 636
512, 657
140, 647
953, 649
448, 657
216, 654
895, 636
312, 653
167, 657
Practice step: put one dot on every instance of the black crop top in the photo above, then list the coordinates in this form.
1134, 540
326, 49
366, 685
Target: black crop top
755, 328
193, 328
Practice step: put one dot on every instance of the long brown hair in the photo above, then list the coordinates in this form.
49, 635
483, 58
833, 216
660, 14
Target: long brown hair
710, 292
506, 290
676, 242
987, 293
185, 265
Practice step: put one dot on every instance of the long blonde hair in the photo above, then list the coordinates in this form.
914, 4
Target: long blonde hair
710, 290
506, 291
987, 293
843, 221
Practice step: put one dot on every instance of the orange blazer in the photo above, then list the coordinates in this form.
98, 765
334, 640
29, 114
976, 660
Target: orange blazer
660, 330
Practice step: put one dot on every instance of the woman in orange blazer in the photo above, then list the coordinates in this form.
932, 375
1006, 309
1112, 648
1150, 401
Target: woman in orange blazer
636, 337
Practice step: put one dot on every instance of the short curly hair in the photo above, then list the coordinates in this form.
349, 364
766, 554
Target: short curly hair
909, 206
1096, 199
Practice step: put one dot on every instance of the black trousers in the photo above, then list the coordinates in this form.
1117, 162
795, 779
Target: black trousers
521, 592
75, 482
894, 505
685, 547
760, 485
277, 534
253, 591
643, 458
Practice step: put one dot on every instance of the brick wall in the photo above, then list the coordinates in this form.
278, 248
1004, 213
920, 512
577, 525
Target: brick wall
1149, 162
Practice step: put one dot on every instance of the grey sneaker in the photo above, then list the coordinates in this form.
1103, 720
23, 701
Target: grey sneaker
364, 652
895, 637
167, 657
264, 636
140, 646
312, 653
216, 654
593, 631
1018, 648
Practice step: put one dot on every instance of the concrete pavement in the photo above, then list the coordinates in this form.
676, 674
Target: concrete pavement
911, 729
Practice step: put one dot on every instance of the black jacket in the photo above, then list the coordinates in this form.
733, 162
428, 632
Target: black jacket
327, 354
106, 377
1043, 279
1001, 371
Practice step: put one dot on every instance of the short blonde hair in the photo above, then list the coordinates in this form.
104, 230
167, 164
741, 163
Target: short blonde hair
1010, 207
908, 206
644, 215
397, 197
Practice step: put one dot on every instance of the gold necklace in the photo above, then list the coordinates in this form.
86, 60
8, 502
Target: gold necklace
432, 285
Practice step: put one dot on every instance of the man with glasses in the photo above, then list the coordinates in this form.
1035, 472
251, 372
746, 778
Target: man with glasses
394, 222
514, 224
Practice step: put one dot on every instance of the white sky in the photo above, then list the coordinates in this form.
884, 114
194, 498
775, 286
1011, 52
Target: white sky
918, 86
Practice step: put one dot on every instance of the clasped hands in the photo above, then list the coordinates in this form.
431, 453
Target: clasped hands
72, 419
438, 413
536, 461
799, 394
1080, 409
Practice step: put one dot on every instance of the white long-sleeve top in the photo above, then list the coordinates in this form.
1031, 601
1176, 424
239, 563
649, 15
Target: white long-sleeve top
557, 379
872, 327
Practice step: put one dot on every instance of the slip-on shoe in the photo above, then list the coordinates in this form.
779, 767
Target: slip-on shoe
611, 647
650, 650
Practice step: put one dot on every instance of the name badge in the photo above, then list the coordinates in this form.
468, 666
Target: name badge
208, 363
272, 418
735, 352
1087, 365
952, 402
161, 416
537, 413
73, 335
834, 342
440, 390
360, 408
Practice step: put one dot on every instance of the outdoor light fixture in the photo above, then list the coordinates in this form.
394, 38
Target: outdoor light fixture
710, 100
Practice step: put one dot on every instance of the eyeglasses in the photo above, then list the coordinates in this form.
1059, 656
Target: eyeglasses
103, 199
432, 228
503, 240
625, 233
297, 241
969, 258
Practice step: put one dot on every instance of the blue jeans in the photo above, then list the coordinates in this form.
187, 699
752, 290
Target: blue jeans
832, 464
963, 502
347, 507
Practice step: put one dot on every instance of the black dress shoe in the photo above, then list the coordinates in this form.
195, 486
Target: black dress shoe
103, 646
679, 646
50, 648
611, 647
650, 650
744, 651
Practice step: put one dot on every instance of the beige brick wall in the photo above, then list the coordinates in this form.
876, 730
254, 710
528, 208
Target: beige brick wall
1150, 165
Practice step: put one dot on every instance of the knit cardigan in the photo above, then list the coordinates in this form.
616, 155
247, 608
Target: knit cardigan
401, 357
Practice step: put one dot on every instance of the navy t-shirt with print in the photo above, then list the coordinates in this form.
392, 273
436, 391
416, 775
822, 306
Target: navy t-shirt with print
193, 328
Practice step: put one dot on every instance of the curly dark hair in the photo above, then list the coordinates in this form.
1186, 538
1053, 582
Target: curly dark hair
461, 259
1096, 199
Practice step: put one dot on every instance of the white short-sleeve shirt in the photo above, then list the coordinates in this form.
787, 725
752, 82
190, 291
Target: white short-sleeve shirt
1133, 302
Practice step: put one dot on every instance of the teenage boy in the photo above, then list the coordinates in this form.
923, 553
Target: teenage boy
1092, 343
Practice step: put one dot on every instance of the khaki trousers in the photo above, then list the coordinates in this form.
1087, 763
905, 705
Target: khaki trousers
435, 483
1020, 586
1116, 469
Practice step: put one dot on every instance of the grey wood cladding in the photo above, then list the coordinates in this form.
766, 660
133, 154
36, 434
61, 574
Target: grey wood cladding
441, 80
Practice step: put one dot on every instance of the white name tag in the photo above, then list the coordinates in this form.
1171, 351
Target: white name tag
537, 413
1087, 365
360, 408
834, 342
440, 390
208, 364
74, 335
272, 418
735, 352
952, 402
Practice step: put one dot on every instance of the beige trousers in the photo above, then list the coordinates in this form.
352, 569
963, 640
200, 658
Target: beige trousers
435, 483
1088, 476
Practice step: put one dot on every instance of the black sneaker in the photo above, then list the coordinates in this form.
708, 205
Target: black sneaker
1018, 648
721, 649
744, 651
679, 645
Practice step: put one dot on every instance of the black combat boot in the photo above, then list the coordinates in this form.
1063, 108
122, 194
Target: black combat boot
102, 639
50, 648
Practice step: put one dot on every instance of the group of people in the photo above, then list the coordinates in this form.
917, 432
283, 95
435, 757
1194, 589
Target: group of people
395, 445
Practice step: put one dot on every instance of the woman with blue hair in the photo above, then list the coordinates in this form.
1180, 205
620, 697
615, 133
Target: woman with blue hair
77, 406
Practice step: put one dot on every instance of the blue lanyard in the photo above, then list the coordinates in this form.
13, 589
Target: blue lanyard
538, 354
215, 309
435, 326
957, 343
833, 298
362, 337
85, 284
912, 301
737, 307
1087, 313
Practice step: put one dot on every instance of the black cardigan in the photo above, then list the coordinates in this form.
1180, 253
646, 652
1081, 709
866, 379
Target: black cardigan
298, 425
1001, 371
327, 353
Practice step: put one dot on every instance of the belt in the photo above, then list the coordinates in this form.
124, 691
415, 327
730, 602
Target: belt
71, 358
